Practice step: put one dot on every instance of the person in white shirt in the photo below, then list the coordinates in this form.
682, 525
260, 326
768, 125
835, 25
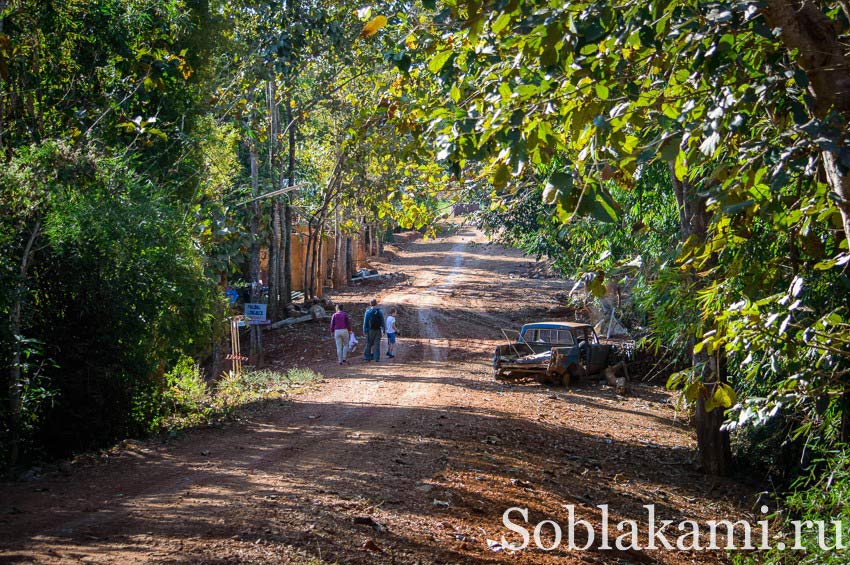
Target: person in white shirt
391, 333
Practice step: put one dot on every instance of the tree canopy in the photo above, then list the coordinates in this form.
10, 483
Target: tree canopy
152, 148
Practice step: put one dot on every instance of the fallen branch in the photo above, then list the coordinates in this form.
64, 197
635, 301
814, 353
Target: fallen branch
316, 313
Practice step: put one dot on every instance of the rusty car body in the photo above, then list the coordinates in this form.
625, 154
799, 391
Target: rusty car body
552, 352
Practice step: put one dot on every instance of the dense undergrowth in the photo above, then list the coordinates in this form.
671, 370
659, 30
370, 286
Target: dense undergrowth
786, 425
189, 400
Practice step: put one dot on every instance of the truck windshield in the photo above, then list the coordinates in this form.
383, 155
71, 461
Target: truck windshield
548, 336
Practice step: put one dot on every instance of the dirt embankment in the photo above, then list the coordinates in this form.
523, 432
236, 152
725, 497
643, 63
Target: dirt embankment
409, 460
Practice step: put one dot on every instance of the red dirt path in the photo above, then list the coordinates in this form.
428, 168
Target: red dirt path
411, 460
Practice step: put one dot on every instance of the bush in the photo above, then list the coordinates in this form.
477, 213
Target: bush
186, 392
823, 496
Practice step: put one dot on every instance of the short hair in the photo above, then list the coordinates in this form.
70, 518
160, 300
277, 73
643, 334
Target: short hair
373, 302
393, 311
339, 307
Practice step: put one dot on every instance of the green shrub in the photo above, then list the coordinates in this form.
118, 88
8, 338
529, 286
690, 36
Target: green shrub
821, 497
186, 390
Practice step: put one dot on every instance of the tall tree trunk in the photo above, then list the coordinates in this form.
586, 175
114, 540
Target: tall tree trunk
276, 299
340, 266
286, 286
335, 259
349, 259
254, 268
256, 346
15, 323
319, 270
305, 281
275, 245
712, 441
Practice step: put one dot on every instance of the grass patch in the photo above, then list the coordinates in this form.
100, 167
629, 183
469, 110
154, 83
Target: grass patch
189, 401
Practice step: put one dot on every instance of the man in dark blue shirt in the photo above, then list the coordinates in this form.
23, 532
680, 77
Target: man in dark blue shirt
373, 329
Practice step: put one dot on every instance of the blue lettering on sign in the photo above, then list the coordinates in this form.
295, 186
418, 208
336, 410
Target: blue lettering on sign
256, 312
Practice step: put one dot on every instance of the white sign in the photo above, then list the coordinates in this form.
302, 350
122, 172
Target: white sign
256, 313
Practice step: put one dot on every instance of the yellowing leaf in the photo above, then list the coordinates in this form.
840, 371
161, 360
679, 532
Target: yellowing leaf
724, 396
693, 391
373, 26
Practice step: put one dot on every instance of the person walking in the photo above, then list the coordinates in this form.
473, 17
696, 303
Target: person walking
391, 333
340, 330
373, 329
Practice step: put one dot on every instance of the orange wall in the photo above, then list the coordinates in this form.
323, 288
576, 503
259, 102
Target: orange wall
299, 249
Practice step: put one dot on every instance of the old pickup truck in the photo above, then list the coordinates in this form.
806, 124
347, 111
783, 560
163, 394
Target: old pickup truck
552, 352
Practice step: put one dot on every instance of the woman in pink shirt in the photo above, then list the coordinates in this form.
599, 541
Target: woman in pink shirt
340, 328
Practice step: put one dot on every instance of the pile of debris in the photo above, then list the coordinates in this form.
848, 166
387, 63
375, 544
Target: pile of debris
372, 276
536, 270
316, 309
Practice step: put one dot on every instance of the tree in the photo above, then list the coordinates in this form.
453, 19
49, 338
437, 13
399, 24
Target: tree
99, 101
608, 89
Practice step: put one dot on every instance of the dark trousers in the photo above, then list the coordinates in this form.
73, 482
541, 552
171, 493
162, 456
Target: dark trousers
373, 346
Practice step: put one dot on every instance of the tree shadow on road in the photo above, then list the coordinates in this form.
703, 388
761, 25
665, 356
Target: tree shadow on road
435, 480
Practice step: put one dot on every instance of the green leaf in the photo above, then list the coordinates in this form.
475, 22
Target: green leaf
505, 90
501, 176
559, 184
670, 111
693, 391
438, 61
501, 23
681, 168
825, 265
605, 209
677, 379
602, 91
597, 287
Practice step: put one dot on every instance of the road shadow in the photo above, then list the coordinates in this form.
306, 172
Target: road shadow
313, 475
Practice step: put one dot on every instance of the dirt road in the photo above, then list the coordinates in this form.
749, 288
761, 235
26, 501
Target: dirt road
410, 460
